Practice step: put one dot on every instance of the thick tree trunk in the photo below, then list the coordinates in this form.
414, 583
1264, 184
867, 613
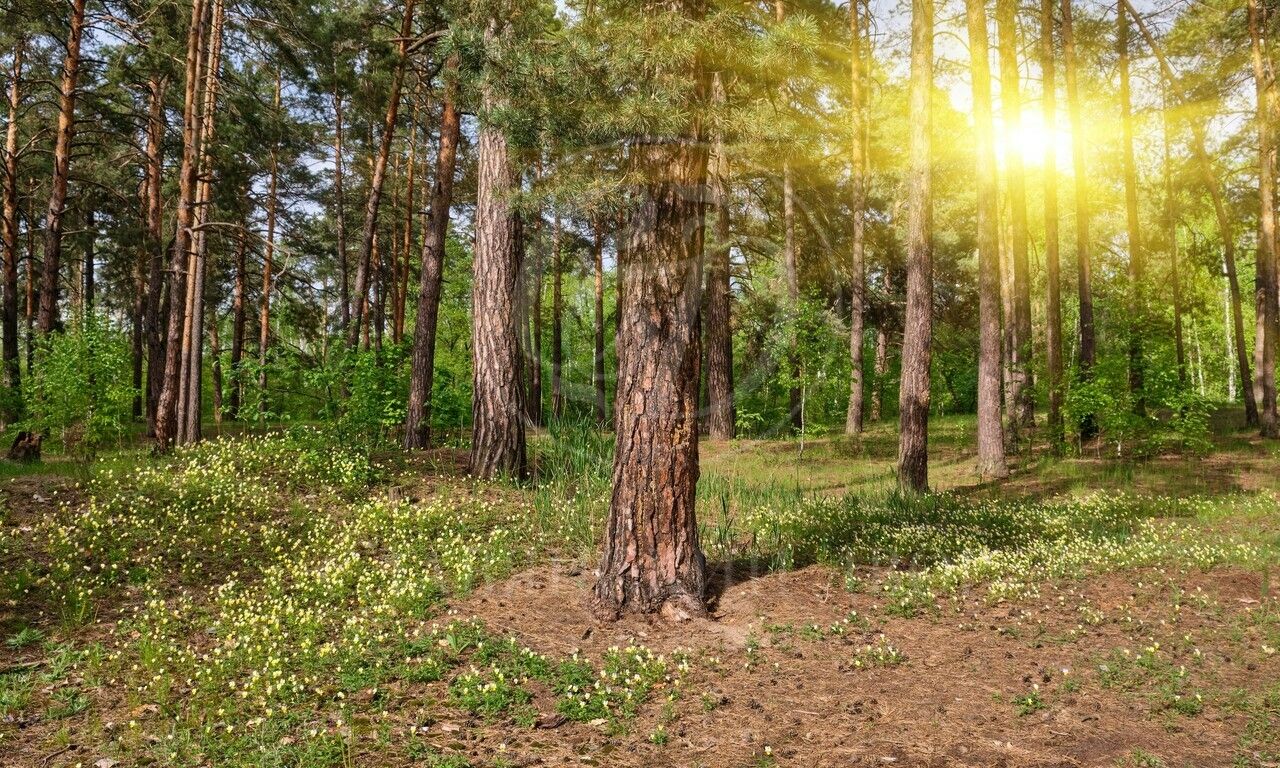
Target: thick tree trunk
167, 405
1052, 256
154, 315
1137, 248
9, 233
1267, 286
340, 213
557, 323
991, 458
1022, 393
652, 560
719, 331
497, 409
858, 269
378, 177
1226, 227
917, 335
1084, 272
48, 317
597, 369
418, 416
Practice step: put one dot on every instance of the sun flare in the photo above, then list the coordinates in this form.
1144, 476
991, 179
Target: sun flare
1033, 140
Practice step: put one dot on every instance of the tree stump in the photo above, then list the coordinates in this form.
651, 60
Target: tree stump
26, 447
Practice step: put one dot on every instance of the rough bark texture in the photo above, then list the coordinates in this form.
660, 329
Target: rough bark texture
917, 336
497, 408
1267, 286
1022, 395
1137, 249
379, 175
418, 416
1087, 354
9, 235
154, 316
597, 369
857, 267
1052, 255
719, 332
652, 560
991, 458
48, 317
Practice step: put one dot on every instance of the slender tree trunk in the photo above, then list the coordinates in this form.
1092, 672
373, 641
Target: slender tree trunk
557, 323
652, 560
238, 322
340, 213
991, 458
32, 295
1226, 227
597, 371
1171, 233
857, 285
48, 318
87, 272
9, 233
154, 316
1084, 272
719, 331
167, 405
1023, 395
378, 176
534, 400
790, 268
1267, 286
1052, 257
268, 266
402, 276
215, 351
497, 409
881, 369
917, 339
418, 421
1137, 248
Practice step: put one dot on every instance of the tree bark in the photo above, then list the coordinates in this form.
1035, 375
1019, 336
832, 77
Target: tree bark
533, 402
719, 331
1137, 248
917, 336
48, 317
652, 560
857, 285
1022, 392
9, 233
991, 458
597, 370
340, 212
154, 314
1052, 256
238, 322
790, 269
418, 415
1084, 275
1171, 234
167, 404
557, 323
1265, 87
881, 369
378, 177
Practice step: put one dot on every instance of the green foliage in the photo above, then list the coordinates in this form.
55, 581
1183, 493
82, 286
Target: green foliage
81, 388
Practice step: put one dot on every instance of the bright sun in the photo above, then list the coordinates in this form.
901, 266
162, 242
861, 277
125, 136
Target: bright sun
1032, 140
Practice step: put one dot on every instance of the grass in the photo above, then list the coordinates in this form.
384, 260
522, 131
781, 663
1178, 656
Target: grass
272, 592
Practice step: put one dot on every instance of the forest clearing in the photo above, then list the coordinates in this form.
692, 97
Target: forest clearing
717, 383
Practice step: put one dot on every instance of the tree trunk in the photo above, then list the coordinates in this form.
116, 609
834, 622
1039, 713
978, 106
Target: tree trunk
1022, 393
87, 273
418, 416
497, 409
719, 331
858, 287
378, 177
881, 369
1171, 233
991, 458
268, 267
1137, 249
652, 560
1226, 227
917, 335
48, 318
215, 351
9, 233
154, 314
167, 405
557, 324
1266, 292
1084, 274
238, 322
533, 402
340, 214
1052, 258
597, 370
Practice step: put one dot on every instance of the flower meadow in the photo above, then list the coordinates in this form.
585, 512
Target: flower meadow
262, 600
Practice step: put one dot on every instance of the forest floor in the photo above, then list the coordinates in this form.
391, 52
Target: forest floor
280, 601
